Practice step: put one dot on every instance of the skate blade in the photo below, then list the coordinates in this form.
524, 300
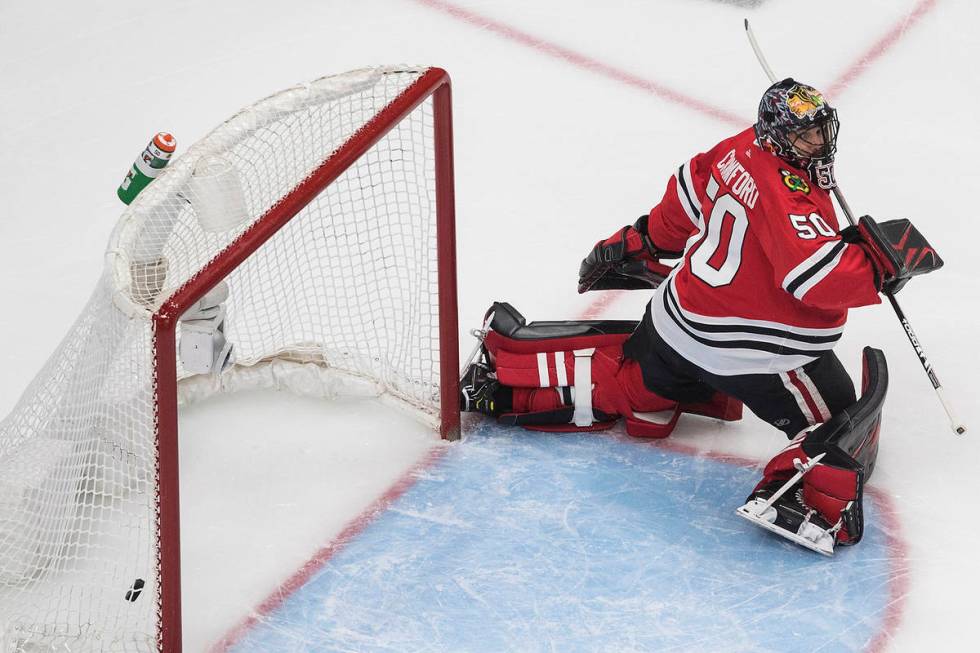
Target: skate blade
821, 541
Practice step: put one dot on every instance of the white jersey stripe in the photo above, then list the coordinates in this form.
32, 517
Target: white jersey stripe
712, 188
685, 204
745, 322
814, 394
560, 368
816, 347
721, 361
801, 402
821, 252
689, 182
819, 276
543, 370
779, 334
815, 260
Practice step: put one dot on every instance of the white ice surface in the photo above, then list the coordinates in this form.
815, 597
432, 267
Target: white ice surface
550, 157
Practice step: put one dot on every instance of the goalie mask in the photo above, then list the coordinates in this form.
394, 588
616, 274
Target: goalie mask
797, 125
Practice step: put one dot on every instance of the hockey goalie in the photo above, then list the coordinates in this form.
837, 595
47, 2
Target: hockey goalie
748, 314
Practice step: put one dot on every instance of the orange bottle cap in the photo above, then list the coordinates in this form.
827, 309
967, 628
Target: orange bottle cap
165, 142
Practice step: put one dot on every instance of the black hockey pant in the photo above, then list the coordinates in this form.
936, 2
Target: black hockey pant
791, 401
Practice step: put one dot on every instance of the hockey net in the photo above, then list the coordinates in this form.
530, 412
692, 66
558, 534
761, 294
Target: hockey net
327, 210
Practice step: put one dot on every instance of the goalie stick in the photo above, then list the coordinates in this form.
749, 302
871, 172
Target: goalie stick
956, 425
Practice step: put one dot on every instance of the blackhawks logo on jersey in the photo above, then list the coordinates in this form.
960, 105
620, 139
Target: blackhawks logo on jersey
795, 182
804, 101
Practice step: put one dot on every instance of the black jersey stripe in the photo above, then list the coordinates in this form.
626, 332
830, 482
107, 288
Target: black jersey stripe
746, 328
802, 277
687, 194
738, 344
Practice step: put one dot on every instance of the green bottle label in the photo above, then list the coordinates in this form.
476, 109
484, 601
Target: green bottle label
131, 186
147, 166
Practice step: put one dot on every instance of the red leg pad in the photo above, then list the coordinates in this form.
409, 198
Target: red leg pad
641, 400
629, 378
829, 490
639, 428
617, 383
535, 400
721, 406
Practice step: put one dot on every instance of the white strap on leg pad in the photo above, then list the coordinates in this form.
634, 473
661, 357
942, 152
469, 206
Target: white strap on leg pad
583, 387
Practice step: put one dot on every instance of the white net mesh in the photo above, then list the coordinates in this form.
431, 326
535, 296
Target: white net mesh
343, 298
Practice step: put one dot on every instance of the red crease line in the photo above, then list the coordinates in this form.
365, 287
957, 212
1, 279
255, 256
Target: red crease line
328, 551
898, 574
599, 305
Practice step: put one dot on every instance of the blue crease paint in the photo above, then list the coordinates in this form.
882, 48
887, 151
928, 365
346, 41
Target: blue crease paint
519, 541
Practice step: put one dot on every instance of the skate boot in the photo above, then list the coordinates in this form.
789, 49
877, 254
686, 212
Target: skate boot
480, 392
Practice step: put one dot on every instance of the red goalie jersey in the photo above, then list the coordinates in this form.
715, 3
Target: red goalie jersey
766, 281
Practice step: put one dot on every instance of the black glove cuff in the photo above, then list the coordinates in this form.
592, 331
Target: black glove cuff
850, 235
641, 226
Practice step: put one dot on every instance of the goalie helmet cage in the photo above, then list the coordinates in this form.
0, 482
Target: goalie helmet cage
328, 209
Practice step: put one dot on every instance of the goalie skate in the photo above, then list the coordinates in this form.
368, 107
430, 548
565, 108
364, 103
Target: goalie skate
808, 535
820, 505
790, 522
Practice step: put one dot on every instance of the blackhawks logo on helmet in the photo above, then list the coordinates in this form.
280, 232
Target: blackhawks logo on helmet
804, 101
795, 182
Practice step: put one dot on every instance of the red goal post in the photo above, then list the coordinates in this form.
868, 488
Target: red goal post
434, 82
328, 210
